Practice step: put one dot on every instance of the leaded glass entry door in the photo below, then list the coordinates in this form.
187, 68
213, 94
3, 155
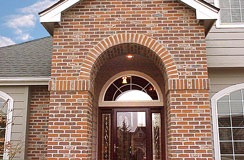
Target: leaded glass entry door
131, 134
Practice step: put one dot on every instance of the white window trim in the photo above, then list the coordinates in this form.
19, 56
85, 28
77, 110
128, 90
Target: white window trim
222, 25
214, 101
158, 102
9, 121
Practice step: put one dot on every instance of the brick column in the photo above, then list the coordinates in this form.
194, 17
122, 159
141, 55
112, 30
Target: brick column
189, 121
38, 122
70, 125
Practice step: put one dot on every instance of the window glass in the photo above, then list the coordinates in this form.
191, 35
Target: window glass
231, 11
130, 88
106, 136
223, 108
133, 95
156, 136
231, 125
3, 119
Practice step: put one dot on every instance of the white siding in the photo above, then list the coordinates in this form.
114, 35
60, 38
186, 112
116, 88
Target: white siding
20, 96
225, 47
221, 78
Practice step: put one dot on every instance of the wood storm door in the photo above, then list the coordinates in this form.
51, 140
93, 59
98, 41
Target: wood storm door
131, 134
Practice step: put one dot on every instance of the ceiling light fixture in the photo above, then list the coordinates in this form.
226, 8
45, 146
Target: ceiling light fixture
124, 80
129, 56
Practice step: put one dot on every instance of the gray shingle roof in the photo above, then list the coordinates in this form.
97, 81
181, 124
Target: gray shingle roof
29, 59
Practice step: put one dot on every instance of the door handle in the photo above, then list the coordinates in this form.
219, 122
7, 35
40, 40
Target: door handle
115, 148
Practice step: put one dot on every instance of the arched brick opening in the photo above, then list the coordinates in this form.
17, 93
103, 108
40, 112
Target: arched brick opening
118, 45
124, 49
154, 51
179, 91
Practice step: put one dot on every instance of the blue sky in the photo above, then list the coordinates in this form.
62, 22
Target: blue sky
19, 20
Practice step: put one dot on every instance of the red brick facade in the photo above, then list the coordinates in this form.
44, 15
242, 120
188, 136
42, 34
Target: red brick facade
176, 41
38, 122
189, 125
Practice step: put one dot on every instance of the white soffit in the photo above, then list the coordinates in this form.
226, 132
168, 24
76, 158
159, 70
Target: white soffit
204, 11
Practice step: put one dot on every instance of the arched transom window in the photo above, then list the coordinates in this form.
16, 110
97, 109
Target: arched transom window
131, 88
228, 117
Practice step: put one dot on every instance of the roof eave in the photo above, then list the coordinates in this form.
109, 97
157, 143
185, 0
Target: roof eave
49, 27
19, 81
53, 14
204, 10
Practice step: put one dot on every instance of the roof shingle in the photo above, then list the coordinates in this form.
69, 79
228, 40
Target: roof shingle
29, 59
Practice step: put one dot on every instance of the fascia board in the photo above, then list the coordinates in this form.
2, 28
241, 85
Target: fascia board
24, 81
54, 14
202, 11
204, 16
55, 18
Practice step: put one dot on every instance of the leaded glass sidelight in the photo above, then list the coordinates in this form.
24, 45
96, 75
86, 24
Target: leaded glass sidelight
231, 125
106, 136
156, 136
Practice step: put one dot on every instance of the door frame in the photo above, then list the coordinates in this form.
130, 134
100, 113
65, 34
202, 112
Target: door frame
149, 111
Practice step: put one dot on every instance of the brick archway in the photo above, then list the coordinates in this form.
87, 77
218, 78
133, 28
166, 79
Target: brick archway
161, 56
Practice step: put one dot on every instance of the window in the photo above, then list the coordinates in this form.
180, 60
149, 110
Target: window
6, 107
231, 13
130, 88
228, 123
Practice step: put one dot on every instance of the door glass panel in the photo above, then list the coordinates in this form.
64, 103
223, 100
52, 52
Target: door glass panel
156, 136
106, 136
131, 136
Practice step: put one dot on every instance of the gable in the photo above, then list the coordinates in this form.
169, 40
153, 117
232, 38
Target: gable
204, 11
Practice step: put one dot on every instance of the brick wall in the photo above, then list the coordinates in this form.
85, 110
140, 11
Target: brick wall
189, 125
38, 122
177, 41
84, 26
70, 125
